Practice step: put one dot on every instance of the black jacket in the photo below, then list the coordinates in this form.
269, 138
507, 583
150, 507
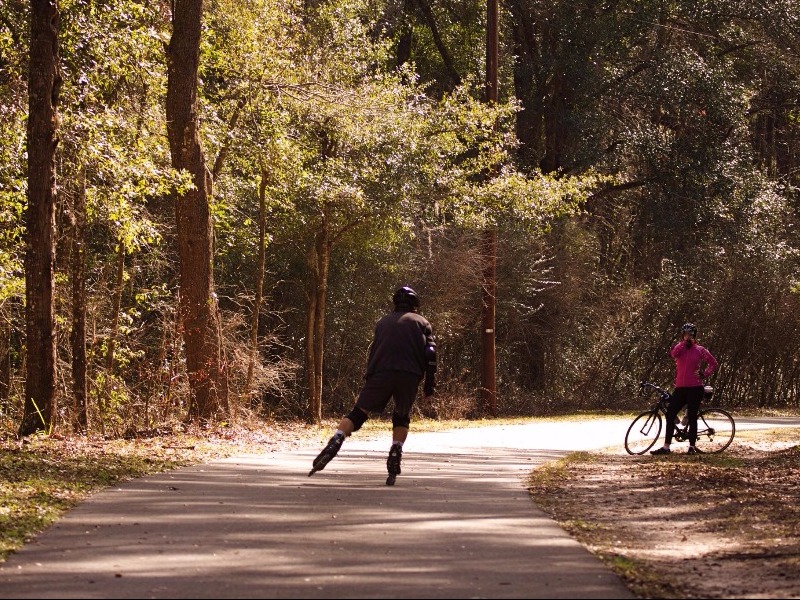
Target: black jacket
399, 344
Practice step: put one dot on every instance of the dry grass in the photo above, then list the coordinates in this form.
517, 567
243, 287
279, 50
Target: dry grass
687, 526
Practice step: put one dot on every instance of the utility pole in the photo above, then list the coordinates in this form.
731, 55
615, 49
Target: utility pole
489, 380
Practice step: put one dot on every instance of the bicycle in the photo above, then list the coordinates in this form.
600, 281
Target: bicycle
715, 426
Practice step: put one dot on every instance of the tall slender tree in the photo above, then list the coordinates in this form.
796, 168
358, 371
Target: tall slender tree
80, 388
44, 82
199, 312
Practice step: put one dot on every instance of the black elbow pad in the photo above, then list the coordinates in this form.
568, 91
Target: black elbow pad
430, 357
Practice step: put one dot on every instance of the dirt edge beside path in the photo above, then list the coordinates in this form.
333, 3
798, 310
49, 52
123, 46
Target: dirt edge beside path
686, 526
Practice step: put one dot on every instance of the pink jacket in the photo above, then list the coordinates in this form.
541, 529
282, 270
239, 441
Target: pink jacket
688, 362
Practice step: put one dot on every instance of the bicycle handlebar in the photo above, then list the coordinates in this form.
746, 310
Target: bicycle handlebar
661, 391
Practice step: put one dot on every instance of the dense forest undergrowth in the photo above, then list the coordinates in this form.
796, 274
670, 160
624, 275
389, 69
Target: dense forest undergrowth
205, 206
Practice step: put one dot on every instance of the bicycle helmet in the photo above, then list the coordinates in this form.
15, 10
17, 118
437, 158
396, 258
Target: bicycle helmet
405, 298
690, 328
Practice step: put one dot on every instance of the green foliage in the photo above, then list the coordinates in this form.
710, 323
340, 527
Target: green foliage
640, 171
685, 105
112, 121
13, 185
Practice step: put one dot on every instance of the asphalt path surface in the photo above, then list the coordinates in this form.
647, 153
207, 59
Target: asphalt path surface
458, 524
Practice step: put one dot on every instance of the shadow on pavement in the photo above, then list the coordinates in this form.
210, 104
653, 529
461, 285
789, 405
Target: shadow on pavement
456, 525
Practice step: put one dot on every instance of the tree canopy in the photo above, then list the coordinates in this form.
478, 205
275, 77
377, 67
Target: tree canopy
640, 169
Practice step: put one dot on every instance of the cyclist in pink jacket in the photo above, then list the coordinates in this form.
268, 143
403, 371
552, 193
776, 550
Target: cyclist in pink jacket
693, 364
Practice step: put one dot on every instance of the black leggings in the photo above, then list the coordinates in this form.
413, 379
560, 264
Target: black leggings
691, 397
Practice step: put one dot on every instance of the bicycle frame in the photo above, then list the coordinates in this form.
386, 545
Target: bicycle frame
681, 432
659, 406
715, 426
662, 403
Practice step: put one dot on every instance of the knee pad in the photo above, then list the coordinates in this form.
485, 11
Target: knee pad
358, 417
400, 420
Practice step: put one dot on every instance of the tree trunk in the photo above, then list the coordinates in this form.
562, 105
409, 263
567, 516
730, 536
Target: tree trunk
314, 399
199, 312
406, 38
5, 364
425, 8
319, 259
170, 351
529, 122
262, 245
116, 306
44, 82
78, 333
323, 250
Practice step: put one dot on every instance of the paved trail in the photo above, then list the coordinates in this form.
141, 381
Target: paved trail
458, 524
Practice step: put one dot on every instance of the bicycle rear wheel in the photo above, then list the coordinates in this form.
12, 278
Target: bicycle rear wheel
643, 432
715, 430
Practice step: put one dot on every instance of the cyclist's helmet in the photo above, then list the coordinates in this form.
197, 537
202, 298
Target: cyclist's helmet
405, 298
690, 328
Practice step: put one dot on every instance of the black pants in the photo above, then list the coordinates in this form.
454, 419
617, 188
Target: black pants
386, 385
691, 397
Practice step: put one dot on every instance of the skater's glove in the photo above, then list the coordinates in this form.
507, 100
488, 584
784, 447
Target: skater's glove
430, 386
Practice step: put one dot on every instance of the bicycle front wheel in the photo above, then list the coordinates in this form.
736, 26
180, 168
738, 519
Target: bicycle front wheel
643, 432
715, 430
